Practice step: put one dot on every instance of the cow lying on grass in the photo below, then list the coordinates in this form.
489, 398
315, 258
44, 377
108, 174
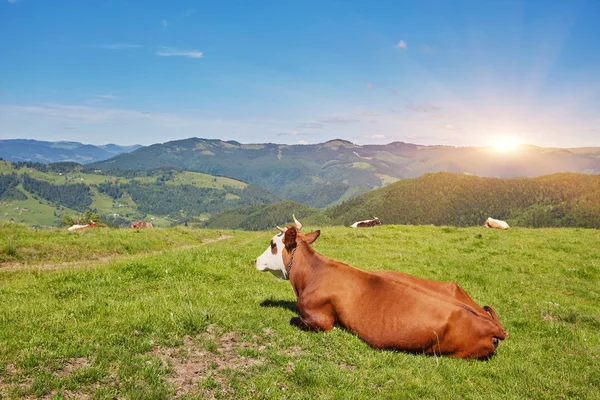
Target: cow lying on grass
369, 223
91, 224
495, 223
141, 225
388, 310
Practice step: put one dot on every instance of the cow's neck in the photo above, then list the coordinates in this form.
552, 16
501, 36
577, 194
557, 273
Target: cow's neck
290, 264
299, 262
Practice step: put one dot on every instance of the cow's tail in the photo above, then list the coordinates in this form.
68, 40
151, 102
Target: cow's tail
501, 334
492, 313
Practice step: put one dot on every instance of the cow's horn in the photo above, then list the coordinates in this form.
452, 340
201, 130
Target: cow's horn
282, 229
298, 224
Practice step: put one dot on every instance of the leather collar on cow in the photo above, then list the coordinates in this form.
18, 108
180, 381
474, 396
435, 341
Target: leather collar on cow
289, 266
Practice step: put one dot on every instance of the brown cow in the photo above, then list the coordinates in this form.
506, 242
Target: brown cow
386, 309
91, 224
141, 225
272, 262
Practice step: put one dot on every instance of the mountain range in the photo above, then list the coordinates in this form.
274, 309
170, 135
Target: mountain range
15, 150
326, 174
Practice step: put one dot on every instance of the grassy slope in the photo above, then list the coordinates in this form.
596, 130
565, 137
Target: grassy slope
204, 180
32, 247
36, 214
128, 328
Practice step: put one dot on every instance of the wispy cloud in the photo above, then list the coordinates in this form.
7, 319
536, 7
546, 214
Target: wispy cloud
104, 123
188, 12
427, 49
450, 127
106, 96
292, 133
425, 108
13, 1
310, 125
376, 136
173, 52
164, 23
89, 115
366, 114
401, 45
341, 121
75, 112
369, 85
119, 46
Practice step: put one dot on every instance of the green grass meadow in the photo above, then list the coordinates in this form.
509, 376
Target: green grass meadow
178, 312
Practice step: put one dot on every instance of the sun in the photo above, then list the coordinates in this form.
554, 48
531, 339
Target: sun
505, 144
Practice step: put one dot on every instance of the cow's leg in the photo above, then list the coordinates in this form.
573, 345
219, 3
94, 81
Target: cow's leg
314, 316
313, 323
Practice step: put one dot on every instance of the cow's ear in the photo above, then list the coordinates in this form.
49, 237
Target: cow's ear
311, 237
289, 238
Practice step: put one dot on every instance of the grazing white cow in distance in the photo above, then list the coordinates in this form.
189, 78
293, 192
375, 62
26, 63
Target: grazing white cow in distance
366, 223
91, 224
495, 223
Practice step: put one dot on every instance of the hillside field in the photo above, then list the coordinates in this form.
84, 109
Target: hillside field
180, 312
45, 193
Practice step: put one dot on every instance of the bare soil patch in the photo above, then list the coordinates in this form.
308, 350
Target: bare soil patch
208, 358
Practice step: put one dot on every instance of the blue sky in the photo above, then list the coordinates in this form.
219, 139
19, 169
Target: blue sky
428, 72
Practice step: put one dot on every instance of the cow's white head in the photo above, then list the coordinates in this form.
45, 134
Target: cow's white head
272, 259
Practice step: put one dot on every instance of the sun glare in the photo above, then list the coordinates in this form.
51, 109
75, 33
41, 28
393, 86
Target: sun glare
505, 144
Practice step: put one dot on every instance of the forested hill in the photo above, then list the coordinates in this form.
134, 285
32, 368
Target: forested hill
558, 200
561, 200
326, 174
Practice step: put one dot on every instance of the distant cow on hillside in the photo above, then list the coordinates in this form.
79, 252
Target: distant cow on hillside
91, 224
366, 224
141, 225
495, 223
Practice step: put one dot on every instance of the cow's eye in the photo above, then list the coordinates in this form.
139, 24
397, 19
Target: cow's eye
273, 245
273, 248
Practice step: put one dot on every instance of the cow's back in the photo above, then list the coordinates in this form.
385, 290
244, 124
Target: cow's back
438, 289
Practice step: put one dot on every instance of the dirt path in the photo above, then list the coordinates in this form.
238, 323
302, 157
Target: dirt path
101, 260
